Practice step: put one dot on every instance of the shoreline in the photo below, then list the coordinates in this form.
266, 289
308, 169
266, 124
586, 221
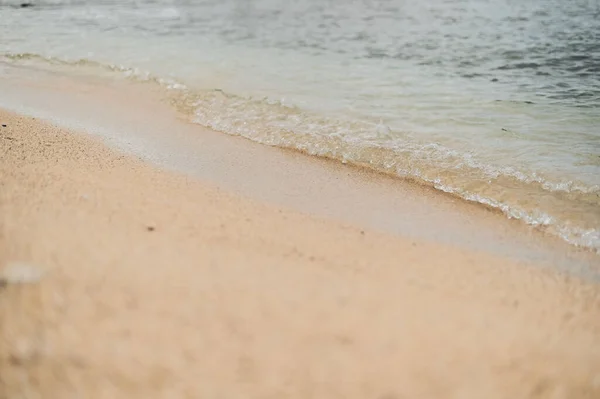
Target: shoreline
539, 215
136, 119
156, 284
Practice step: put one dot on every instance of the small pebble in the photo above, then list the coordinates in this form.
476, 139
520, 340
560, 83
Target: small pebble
150, 228
20, 273
3, 125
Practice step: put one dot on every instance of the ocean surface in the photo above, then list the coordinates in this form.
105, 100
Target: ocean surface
493, 101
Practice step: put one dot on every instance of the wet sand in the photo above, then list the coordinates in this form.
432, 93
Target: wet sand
123, 280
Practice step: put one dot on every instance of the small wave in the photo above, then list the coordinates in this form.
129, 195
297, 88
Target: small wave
512, 191
519, 65
376, 147
127, 72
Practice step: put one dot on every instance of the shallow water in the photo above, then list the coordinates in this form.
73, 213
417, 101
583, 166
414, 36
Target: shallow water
495, 101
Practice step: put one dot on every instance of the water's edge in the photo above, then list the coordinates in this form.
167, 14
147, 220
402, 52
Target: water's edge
281, 125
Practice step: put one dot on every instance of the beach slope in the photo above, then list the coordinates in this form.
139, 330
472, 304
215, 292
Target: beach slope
124, 281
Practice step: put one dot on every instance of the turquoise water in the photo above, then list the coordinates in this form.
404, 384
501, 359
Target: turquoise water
494, 101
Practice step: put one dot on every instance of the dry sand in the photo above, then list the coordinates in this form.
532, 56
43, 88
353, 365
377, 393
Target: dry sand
124, 281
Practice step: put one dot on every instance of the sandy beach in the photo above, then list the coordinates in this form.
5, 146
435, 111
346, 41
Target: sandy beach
121, 280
